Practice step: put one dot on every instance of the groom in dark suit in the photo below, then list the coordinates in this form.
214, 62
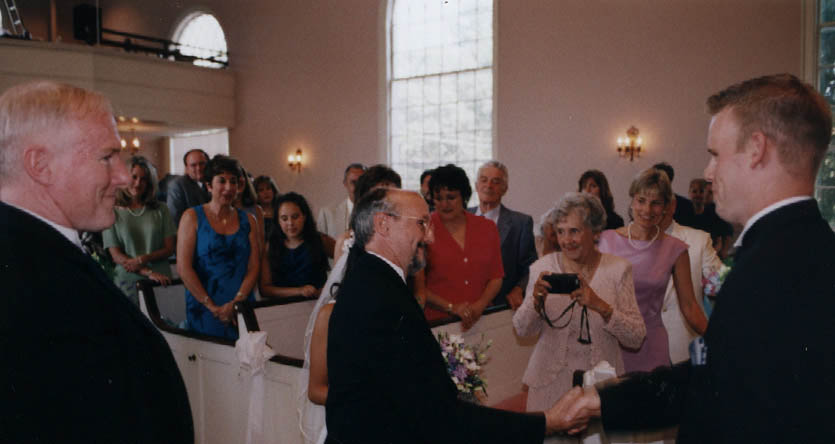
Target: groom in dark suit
767, 374
515, 232
387, 380
78, 361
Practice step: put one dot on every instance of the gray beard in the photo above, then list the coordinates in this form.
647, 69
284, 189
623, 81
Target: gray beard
417, 263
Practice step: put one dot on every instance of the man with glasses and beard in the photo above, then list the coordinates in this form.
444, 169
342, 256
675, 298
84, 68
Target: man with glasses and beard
387, 379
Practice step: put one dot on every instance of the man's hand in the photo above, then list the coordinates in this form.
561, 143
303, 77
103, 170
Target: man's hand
571, 414
514, 297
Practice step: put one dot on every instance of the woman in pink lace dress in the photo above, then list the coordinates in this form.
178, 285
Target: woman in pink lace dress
606, 292
655, 257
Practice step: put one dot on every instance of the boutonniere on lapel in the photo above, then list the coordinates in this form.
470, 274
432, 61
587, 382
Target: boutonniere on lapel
464, 363
713, 283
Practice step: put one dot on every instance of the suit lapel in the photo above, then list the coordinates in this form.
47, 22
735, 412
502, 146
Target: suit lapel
504, 224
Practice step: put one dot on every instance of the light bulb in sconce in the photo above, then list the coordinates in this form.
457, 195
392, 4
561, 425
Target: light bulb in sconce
123, 142
294, 161
135, 142
630, 146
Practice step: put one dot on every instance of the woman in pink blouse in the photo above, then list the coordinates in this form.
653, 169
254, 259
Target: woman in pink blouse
576, 341
464, 264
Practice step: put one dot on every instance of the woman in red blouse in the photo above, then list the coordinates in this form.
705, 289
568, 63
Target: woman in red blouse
464, 264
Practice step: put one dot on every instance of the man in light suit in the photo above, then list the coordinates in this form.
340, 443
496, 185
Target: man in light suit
387, 380
703, 262
187, 191
333, 220
78, 361
515, 232
767, 370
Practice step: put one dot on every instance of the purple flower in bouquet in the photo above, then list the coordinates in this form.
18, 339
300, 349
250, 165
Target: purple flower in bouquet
464, 363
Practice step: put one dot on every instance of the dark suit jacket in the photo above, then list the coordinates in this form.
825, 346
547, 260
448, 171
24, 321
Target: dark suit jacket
78, 361
387, 379
182, 194
770, 372
518, 249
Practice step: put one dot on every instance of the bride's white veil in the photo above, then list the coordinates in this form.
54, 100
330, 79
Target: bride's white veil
312, 416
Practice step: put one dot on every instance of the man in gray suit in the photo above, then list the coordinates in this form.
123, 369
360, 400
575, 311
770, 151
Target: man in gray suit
515, 232
185, 191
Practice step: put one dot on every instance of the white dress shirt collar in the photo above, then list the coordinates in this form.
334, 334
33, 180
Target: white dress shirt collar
391, 264
492, 214
760, 214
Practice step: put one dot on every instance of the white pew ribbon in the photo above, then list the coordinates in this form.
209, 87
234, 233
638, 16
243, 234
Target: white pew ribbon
253, 354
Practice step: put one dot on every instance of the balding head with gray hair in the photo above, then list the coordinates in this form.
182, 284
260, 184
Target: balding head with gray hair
495, 164
36, 113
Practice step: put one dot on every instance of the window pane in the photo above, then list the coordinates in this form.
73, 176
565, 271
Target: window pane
443, 52
827, 85
826, 175
827, 46
826, 202
827, 8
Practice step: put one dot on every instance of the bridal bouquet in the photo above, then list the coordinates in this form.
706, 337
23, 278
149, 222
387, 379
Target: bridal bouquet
464, 363
713, 283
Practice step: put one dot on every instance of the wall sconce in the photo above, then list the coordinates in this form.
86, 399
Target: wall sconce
135, 144
295, 161
630, 146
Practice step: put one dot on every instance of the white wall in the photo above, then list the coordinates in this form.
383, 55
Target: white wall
572, 76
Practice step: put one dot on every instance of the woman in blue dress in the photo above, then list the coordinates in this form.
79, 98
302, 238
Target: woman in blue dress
217, 254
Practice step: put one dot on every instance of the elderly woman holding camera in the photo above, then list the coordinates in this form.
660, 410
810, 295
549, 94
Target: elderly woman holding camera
581, 326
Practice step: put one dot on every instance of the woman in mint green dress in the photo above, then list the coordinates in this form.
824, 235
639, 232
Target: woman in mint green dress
142, 238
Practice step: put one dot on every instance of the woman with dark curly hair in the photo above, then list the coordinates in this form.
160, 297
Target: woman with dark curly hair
464, 264
296, 263
142, 237
217, 253
594, 182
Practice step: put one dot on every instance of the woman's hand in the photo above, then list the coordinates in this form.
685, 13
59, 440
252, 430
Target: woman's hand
586, 297
307, 291
133, 265
226, 312
469, 313
540, 291
159, 278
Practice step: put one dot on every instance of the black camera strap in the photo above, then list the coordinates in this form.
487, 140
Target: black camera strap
584, 320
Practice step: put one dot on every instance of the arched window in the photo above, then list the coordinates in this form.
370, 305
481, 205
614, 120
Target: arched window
441, 85
200, 35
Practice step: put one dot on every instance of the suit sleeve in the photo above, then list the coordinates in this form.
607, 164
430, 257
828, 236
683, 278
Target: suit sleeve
527, 252
176, 202
322, 221
645, 400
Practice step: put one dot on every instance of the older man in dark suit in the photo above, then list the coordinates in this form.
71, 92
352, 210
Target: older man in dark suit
515, 232
78, 361
766, 373
387, 379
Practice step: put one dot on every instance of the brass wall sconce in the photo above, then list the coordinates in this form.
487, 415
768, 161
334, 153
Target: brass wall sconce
294, 161
134, 143
630, 146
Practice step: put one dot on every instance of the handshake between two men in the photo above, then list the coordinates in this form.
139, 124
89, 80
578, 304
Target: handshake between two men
572, 413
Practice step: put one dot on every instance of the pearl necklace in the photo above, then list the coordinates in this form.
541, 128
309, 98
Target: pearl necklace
641, 247
141, 212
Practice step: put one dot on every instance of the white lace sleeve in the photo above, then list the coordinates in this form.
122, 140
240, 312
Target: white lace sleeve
312, 416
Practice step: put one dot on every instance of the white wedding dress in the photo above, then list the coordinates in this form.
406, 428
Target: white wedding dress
312, 416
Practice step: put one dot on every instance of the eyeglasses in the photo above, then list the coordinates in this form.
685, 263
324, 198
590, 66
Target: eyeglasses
584, 321
424, 223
